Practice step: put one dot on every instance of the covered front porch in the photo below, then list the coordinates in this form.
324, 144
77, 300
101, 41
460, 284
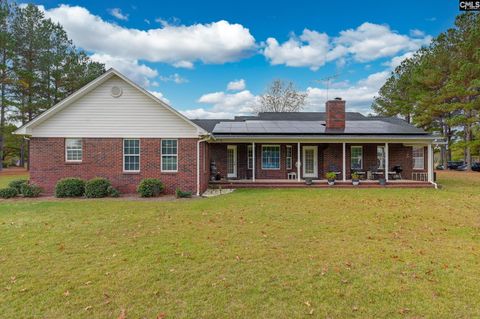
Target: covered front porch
280, 163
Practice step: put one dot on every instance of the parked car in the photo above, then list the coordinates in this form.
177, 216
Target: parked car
476, 167
440, 167
462, 167
454, 164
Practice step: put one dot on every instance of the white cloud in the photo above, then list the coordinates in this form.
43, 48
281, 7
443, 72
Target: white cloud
139, 73
159, 95
237, 85
367, 42
397, 60
240, 102
310, 49
417, 33
371, 41
216, 42
201, 113
117, 13
358, 96
177, 78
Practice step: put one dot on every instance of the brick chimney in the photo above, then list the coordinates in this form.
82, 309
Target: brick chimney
335, 114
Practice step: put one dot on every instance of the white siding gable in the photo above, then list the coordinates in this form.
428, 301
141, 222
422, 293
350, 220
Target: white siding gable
99, 114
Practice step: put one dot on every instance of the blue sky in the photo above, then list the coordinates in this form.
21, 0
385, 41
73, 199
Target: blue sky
213, 59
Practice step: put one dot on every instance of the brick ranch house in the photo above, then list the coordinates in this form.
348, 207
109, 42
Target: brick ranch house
113, 128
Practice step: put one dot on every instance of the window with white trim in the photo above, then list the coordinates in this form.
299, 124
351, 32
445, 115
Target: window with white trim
418, 155
131, 155
381, 157
356, 157
288, 157
270, 156
249, 157
73, 150
169, 155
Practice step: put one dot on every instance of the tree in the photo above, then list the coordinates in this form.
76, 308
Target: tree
282, 97
439, 87
6, 54
39, 66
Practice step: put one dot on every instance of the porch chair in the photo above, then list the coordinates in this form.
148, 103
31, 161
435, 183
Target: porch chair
375, 172
396, 172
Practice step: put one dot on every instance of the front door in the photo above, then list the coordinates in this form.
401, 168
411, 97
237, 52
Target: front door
310, 161
232, 161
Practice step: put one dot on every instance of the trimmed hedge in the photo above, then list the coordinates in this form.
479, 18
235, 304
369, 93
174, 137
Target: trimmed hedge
97, 187
70, 187
113, 192
17, 184
31, 190
8, 192
181, 194
150, 187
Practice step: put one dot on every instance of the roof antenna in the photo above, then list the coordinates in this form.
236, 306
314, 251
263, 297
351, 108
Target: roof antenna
327, 80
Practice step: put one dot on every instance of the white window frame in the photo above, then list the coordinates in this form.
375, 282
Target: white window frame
382, 163
161, 155
249, 157
139, 157
289, 159
279, 157
66, 150
423, 158
361, 156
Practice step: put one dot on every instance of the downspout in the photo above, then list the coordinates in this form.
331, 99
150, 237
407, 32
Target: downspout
198, 162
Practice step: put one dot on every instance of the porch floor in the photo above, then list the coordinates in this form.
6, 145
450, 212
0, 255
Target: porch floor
321, 183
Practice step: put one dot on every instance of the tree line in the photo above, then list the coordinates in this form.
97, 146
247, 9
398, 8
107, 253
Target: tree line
39, 66
438, 88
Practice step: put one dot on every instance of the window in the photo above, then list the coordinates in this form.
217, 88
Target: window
356, 157
271, 157
418, 157
381, 157
288, 158
249, 157
169, 155
131, 155
73, 150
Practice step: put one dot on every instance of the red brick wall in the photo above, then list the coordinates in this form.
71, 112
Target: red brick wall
103, 157
328, 154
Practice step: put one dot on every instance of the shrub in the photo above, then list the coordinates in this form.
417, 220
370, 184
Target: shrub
97, 187
8, 192
181, 194
355, 176
113, 192
31, 190
17, 184
150, 187
70, 187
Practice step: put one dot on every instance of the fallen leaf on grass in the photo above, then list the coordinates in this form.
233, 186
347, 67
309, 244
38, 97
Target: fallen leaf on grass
161, 315
307, 303
87, 308
66, 293
123, 314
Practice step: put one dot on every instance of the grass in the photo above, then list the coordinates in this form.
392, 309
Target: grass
342, 253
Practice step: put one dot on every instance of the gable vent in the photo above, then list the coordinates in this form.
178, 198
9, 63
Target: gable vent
116, 91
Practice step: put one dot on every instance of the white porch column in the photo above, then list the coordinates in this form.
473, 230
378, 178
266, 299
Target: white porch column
430, 163
386, 162
298, 161
253, 161
344, 163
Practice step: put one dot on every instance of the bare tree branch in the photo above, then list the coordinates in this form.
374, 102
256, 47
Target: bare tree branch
281, 97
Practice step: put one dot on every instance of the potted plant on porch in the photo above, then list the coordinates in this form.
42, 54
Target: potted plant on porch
355, 179
331, 176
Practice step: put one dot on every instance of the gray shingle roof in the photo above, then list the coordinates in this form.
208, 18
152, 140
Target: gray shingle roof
307, 123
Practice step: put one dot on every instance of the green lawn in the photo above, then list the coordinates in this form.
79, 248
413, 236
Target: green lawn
340, 253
